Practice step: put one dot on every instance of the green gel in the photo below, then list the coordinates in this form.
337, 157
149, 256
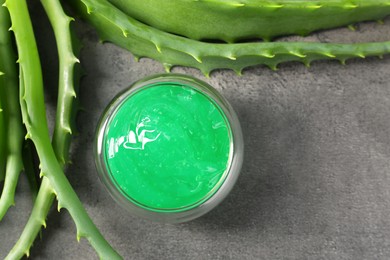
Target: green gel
167, 147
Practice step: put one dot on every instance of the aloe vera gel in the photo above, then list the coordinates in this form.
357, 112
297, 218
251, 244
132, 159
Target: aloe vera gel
169, 148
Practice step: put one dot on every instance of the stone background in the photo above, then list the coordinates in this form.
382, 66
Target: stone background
316, 177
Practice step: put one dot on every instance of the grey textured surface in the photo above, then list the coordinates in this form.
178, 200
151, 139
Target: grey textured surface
316, 177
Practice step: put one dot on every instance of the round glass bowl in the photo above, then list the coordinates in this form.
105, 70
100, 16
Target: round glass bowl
169, 148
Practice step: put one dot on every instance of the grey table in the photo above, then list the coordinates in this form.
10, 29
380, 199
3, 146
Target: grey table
316, 177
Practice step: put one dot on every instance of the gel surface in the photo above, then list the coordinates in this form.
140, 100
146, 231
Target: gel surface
167, 147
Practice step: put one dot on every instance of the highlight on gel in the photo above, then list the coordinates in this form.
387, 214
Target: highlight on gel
166, 148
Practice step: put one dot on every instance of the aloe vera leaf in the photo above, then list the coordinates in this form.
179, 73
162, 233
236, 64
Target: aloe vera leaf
145, 41
3, 134
34, 117
3, 145
62, 129
15, 130
232, 20
35, 222
66, 90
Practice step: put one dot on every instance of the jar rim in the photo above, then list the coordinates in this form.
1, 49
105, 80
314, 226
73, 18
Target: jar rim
225, 182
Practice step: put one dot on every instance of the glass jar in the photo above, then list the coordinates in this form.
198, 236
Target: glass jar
169, 148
